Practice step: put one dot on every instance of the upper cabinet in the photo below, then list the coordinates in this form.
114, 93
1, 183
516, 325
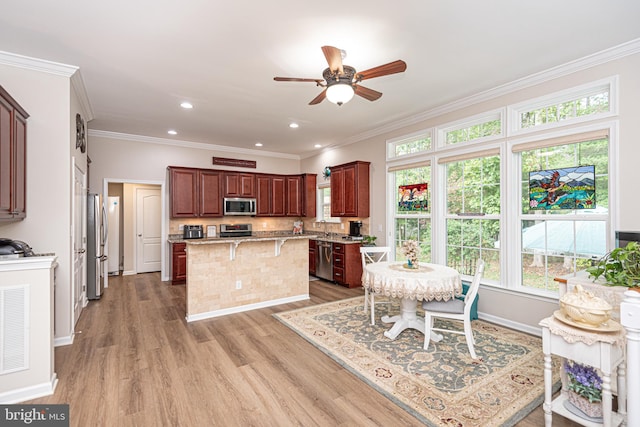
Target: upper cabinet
237, 184
200, 192
195, 192
13, 158
350, 190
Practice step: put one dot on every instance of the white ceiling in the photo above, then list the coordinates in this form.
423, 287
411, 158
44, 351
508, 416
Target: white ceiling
139, 59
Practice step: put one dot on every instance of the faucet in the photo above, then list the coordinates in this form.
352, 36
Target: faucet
324, 224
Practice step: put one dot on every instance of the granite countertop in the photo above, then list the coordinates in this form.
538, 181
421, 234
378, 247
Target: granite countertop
259, 236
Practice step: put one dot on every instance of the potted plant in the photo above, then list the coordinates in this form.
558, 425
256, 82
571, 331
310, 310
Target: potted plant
368, 240
585, 388
620, 267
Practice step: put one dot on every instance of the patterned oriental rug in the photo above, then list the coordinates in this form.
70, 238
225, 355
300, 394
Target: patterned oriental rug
442, 386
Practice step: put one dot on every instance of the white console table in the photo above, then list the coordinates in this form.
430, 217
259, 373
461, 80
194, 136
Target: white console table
604, 351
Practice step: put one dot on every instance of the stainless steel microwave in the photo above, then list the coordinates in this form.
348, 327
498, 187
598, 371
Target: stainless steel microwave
239, 206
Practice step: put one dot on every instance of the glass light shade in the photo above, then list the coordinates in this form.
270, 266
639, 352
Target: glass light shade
340, 93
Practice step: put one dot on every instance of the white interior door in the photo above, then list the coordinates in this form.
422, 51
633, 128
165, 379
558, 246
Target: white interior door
79, 241
148, 230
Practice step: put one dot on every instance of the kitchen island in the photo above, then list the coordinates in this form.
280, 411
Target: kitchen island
232, 274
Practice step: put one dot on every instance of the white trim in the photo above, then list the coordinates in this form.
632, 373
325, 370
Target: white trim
522, 327
35, 64
189, 144
62, 341
467, 122
408, 138
243, 308
29, 393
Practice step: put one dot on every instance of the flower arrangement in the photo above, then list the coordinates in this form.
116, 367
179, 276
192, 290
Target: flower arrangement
410, 250
584, 381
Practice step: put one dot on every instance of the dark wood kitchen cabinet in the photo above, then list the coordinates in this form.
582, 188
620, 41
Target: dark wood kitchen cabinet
271, 195
178, 263
239, 184
347, 264
13, 158
195, 192
350, 190
301, 195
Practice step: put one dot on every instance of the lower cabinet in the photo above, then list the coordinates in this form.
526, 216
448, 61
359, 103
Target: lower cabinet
178, 263
347, 264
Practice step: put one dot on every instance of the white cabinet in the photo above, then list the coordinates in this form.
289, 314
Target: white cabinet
26, 328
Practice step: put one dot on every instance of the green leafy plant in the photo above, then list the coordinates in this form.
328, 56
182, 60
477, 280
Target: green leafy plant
620, 267
369, 240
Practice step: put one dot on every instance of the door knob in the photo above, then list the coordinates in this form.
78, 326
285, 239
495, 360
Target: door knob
139, 235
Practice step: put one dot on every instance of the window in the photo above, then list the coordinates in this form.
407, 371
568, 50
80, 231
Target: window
473, 213
487, 126
323, 202
410, 145
557, 240
412, 205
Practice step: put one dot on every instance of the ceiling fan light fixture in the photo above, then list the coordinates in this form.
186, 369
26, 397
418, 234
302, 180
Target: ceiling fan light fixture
340, 93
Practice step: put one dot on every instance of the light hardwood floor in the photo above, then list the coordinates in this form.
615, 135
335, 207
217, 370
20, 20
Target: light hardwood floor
136, 362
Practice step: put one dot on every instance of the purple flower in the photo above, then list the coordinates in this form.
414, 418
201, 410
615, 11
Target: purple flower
584, 380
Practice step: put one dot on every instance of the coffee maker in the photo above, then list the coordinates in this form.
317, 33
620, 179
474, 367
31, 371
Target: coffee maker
354, 230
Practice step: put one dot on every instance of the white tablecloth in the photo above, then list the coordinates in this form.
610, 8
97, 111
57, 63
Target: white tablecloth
429, 282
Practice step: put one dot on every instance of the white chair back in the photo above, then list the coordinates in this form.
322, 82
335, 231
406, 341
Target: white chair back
371, 254
475, 284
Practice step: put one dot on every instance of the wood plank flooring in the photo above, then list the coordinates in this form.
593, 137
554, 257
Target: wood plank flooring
137, 362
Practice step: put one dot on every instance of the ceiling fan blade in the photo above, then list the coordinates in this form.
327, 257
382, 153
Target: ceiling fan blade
318, 99
367, 93
382, 70
296, 79
334, 58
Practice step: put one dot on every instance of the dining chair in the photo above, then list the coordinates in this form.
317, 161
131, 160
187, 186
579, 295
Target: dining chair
371, 254
454, 309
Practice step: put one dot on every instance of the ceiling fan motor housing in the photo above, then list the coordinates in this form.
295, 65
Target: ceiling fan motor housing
333, 78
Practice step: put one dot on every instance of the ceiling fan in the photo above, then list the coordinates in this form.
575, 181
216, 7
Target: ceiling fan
341, 82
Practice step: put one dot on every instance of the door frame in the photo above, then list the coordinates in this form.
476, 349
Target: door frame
165, 221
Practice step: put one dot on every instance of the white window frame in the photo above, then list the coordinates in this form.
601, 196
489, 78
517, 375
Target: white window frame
442, 130
515, 110
393, 143
320, 204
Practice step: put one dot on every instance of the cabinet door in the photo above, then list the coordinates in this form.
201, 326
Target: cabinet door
309, 195
263, 195
179, 263
19, 210
184, 192
278, 198
210, 193
350, 201
312, 256
294, 195
239, 185
337, 192
5, 159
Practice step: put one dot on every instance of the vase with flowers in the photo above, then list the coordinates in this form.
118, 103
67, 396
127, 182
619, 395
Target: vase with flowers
410, 250
585, 388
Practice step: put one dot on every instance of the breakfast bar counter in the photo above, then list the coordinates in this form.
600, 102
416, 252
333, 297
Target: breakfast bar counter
232, 274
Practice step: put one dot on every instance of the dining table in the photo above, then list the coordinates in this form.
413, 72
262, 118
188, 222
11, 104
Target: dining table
426, 282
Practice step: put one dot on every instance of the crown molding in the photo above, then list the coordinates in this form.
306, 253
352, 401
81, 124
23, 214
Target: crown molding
617, 52
189, 144
77, 83
36, 64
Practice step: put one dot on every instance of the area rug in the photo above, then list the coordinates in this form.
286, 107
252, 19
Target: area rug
441, 386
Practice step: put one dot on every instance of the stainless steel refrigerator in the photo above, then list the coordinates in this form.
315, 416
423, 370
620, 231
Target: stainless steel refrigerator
96, 239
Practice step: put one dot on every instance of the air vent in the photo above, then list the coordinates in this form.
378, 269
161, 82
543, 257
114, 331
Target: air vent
14, 329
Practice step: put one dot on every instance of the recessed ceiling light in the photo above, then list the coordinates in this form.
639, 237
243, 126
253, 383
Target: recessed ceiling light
317, 145
293, 125
258, 144
186, 105
172, 132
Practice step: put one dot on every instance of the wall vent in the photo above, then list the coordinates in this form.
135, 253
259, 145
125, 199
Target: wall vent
14, 328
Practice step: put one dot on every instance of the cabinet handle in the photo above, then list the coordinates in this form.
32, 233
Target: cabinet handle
338, 259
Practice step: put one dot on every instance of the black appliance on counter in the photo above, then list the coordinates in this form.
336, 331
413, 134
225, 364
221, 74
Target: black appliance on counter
235, 230
192, 232
11, 249
354, 230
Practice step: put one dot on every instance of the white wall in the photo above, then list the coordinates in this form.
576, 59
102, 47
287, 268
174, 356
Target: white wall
47, 228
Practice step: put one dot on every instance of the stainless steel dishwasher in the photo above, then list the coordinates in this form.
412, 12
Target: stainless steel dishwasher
324, 261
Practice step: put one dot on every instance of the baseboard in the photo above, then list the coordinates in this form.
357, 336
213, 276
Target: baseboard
60, 341
527, 329
128, 273
242, 308
29, 393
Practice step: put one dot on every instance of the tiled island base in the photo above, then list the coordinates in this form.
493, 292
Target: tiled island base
229, 276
